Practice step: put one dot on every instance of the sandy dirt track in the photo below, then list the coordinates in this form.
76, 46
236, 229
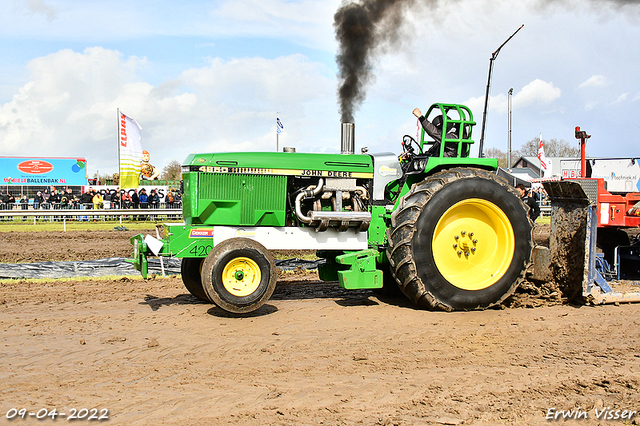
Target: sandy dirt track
315, 354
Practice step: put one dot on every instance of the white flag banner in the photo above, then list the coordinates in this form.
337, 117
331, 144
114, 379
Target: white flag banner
543, 160
130, 152
279, 125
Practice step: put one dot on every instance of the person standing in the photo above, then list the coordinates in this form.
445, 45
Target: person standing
170, 200
154, 201
143, 198
97, 201
45, 199
135, 199
11, 201
106, 199
24, 205
115, 198
87, 199
3, 203
125, 199
64, 201
534, 208
37, 200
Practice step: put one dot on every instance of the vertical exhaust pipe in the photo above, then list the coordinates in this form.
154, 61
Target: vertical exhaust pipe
348, 138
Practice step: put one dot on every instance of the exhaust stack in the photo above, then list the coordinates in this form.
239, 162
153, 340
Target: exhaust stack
348, 138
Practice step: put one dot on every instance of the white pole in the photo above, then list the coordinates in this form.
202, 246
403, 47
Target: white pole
509, 149
161, 263
119, 163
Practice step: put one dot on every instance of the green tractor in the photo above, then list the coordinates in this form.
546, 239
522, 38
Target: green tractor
440, 225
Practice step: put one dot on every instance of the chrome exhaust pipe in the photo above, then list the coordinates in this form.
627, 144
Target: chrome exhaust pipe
348, 138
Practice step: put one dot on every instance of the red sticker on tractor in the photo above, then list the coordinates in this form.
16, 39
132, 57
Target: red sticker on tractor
201, 233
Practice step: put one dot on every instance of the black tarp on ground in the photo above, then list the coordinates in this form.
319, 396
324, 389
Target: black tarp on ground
115, 266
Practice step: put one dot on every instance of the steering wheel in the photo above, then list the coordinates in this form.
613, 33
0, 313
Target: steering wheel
407, 145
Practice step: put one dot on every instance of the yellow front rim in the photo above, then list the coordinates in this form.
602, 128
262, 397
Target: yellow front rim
473, 244
241, 276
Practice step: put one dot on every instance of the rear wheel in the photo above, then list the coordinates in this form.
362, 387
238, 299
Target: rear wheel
239, 275
191, 277
460, 240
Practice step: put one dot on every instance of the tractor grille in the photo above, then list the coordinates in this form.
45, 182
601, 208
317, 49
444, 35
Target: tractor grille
249, 195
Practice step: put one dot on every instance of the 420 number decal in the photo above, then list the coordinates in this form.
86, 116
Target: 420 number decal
200, 250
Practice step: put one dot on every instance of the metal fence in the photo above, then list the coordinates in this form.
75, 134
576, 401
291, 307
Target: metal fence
87, 213
545, 209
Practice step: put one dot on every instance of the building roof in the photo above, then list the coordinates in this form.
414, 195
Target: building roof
533, 163
515, 177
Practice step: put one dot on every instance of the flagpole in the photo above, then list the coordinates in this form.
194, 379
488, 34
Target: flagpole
277, 133
119, 160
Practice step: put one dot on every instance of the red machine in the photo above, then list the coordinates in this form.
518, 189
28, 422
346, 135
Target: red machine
613, 210
589, 240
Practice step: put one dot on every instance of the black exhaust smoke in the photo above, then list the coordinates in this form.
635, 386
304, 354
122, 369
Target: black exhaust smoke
360, 28
363, 26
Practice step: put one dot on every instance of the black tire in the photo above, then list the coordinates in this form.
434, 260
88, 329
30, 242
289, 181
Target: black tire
436, 270
191, 277
239, 275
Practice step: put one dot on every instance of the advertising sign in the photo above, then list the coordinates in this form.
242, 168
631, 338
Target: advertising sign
27, 171
621, 174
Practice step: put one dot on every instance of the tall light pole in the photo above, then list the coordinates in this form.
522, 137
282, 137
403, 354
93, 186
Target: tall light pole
509, 147
486, 95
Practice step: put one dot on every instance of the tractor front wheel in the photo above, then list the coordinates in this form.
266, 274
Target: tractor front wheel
239, 275
460, 240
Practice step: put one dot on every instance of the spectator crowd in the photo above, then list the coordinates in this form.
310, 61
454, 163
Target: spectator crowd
52, 198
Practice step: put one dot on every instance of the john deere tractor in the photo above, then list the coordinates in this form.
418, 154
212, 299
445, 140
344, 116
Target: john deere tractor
434, 221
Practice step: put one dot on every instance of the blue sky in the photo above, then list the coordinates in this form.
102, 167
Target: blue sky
206, 76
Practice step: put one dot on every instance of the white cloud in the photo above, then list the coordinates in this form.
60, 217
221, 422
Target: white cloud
62, 85
40, 6
590, 105
68, 107
621, 98
248, 81
537, 91
594, 81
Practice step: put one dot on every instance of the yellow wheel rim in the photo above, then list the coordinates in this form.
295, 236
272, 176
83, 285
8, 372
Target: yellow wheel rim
241, 276
473, 244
